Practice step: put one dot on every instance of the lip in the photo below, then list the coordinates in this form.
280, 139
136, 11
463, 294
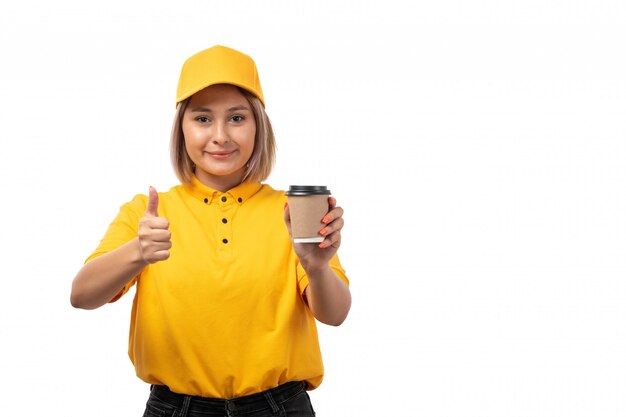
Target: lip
221, 154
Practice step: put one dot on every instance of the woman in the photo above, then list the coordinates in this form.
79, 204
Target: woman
223, 320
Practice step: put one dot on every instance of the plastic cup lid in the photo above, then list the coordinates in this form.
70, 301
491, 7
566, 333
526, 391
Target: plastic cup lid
301, 190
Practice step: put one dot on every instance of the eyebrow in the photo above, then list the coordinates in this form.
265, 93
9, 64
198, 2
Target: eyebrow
208, 110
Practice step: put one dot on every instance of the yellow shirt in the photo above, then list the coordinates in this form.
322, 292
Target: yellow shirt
224, 315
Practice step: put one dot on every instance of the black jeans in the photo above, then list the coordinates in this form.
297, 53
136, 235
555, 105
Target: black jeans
287, 400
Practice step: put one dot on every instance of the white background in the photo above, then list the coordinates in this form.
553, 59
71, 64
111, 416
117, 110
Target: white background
477, 147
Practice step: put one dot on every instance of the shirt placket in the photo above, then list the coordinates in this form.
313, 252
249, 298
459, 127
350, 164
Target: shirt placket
226, 209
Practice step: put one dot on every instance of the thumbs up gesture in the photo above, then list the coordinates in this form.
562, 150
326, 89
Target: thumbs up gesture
154, 236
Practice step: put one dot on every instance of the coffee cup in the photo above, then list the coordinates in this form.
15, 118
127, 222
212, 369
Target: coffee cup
308, 204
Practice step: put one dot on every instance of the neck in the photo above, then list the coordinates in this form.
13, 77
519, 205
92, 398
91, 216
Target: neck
220, 183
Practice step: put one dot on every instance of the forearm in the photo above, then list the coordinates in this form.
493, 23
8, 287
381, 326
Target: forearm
100, 279
328, 296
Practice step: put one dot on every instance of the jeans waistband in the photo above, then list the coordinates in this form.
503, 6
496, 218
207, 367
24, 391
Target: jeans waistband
260, 401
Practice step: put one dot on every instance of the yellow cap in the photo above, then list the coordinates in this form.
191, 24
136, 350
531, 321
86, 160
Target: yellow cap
218, 65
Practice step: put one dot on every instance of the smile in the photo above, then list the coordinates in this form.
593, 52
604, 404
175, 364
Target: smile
221, 154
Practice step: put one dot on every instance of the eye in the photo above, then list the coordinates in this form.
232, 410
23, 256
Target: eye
238, 118
202, 119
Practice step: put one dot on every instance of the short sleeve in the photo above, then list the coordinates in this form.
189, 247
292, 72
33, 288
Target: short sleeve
303, 279
122, 230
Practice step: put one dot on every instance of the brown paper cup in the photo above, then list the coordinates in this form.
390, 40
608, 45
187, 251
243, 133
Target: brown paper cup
306, 213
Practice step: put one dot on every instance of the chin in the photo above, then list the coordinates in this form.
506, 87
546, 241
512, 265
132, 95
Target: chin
223, 171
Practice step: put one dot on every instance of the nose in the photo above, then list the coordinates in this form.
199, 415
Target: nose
220, 134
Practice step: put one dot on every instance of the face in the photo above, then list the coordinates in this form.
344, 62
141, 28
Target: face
219, 129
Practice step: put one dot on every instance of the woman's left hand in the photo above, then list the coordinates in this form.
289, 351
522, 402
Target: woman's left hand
313, 255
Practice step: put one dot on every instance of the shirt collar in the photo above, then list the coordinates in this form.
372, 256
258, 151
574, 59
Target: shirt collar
239, 194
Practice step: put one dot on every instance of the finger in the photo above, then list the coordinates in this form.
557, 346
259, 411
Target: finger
333, 240
161, 255
333, 214
156, 251
337, 241
159, 246
149, 237
160, 235
332, 202
158, 223
335, 226
153, 247
153, 202
148, 224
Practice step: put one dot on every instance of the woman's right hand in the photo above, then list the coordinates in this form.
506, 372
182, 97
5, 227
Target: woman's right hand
154, 236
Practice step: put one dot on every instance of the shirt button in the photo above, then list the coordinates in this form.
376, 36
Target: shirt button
240, 199
225, 240
224, 221
224, 199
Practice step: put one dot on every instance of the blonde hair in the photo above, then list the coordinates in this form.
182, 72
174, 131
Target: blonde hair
260, 164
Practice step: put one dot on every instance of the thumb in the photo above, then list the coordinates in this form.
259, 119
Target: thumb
153, 203
287, 218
